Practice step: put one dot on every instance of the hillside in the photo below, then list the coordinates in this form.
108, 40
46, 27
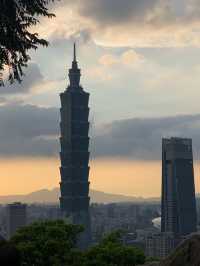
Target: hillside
52, 196
186, 254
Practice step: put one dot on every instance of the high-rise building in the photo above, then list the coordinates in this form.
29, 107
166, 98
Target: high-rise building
74, 155
178, 190
16, 217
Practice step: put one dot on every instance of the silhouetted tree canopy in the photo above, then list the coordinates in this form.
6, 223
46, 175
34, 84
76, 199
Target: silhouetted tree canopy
9, 255
47, 243
55, 243
112, 252
16, 39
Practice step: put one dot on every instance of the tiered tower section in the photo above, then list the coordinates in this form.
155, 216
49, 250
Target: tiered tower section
74, 155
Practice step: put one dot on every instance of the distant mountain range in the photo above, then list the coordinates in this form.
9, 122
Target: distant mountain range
52, 196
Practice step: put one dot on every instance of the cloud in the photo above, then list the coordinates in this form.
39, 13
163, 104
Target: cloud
108, 60
2, 100
156, 13
132, 23
32, 77
129, 57
100, 73
28, 130
115, 11
140, 138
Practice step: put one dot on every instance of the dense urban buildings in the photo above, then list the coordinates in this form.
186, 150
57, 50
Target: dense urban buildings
178, 191
16, 217
74, 155
160, 245
134, 219
128, 217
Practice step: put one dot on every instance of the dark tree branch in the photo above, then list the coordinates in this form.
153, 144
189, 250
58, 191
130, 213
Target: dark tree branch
16, 19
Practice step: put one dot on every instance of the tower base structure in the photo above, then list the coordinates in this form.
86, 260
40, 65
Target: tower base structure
81, 218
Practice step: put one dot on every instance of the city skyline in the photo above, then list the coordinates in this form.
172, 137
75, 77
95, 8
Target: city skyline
144, 85
100, 132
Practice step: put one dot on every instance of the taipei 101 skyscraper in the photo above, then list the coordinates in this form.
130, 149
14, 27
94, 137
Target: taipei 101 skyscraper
74, 155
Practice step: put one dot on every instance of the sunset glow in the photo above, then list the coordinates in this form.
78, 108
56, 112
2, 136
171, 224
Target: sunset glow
134, 178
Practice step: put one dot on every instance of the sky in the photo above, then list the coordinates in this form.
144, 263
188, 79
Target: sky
140, 62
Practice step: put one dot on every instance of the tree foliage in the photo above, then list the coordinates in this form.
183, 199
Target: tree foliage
9, 255
54, 243
47, 243
111, 252
16, 38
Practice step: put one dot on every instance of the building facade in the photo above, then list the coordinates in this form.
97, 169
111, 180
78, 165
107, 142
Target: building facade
160, 245
178, 190
74, 155
16, 217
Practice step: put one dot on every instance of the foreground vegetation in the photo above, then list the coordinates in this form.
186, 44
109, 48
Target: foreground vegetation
55, 243
17, 17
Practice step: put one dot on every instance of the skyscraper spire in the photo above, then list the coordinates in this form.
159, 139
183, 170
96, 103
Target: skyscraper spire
74, 62
74, 52
74, 72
